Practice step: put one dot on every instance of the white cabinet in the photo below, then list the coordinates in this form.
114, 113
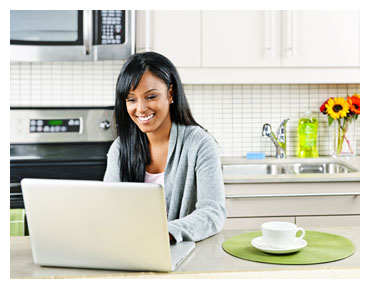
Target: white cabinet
321, 38
175, 34
286, 39
241, 38
210, 47
307, 204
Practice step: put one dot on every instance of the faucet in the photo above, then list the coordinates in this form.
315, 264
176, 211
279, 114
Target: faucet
280, 140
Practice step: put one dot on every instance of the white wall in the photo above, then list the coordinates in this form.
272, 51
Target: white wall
234, 114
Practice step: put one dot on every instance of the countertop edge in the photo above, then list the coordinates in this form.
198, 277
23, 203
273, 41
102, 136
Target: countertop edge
248, 180
275, 273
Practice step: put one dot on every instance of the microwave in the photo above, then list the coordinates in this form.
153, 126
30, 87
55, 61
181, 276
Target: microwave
71, 35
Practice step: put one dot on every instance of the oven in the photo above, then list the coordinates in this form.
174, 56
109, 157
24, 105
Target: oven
58, 143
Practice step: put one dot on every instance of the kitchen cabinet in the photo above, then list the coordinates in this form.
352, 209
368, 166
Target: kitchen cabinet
175, 34
306, 204
280, 39
241, 38
231, 47
321, 38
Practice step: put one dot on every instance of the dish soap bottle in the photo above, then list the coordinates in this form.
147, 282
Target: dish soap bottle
307, 133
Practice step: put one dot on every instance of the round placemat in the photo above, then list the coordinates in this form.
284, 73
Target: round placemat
321, 248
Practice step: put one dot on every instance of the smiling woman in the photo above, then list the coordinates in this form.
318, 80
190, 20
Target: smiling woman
159, 141
150, 109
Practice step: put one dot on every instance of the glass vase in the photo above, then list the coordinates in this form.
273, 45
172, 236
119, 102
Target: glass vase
343, 139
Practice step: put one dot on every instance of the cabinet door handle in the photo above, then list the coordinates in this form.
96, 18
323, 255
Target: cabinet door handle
148, 19
351, 194
291, 32
268, 32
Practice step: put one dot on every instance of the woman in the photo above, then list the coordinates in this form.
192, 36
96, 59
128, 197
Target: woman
160, 142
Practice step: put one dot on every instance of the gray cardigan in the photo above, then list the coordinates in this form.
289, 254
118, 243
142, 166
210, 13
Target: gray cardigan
193, 183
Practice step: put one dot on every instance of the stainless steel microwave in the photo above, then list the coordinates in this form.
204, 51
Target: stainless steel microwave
71, 35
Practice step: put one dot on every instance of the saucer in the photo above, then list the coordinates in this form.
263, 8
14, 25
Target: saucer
261, 244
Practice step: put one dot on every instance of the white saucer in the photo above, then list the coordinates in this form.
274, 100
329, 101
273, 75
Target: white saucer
261, 244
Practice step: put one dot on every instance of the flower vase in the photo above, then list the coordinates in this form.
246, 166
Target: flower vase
343, 139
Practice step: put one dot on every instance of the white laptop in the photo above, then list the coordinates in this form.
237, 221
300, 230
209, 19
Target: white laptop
93, 224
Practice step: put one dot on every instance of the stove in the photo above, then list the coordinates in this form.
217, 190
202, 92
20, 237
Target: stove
58, 143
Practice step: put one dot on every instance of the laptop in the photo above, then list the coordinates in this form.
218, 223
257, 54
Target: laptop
100, 225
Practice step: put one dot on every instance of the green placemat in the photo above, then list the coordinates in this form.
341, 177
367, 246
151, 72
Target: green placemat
321, 248
17, 223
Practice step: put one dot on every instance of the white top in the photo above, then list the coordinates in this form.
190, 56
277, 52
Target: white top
154, 178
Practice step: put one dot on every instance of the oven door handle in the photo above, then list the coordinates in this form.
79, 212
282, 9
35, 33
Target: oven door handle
15, 189
15, 185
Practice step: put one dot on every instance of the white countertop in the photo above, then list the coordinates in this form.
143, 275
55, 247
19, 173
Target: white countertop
266, 178
208, 260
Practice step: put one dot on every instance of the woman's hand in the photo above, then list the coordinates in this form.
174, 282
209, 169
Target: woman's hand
172, 239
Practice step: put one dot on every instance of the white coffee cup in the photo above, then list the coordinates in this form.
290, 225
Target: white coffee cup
280, 235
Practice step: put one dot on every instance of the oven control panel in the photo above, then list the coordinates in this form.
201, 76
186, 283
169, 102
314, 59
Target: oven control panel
55, 125
61, 125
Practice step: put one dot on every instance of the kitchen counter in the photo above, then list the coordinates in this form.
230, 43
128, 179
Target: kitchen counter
208, 260
289, 178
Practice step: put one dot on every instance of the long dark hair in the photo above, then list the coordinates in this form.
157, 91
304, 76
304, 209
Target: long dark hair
134, 151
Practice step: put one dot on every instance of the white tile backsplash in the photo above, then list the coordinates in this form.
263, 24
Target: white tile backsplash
233, 114
245, 108
63, 83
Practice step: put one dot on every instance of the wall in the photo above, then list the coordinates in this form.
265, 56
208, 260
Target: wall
234, 114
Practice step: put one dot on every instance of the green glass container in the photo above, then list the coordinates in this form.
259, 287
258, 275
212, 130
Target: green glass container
307, 134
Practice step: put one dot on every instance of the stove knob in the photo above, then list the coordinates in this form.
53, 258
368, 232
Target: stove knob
105, 124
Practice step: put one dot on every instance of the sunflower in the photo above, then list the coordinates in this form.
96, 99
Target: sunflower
337, 107
354, 103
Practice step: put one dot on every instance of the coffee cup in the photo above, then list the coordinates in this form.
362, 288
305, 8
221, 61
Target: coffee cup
280, 235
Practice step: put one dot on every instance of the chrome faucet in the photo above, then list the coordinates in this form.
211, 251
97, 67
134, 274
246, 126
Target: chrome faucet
280, 140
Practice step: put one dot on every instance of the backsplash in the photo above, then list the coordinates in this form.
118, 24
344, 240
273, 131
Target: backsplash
233, 114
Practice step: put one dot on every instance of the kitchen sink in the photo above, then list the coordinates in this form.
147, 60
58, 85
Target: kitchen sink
287, 168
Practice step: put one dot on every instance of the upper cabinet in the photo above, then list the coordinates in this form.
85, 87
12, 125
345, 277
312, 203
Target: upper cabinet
175, 34
287, 39
255, 46
321, 38
241, 38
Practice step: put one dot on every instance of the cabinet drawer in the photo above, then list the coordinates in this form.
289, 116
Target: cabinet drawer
285, 188
290, 205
